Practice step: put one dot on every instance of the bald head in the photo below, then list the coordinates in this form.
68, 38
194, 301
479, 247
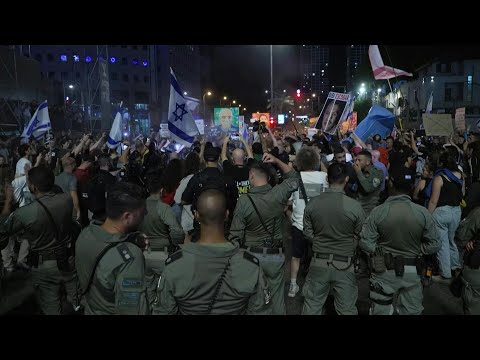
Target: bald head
238, 156
375, 155
212, 207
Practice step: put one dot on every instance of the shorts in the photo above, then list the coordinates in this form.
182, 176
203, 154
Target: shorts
298, 243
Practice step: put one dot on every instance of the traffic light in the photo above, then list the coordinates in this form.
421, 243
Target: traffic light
298, 93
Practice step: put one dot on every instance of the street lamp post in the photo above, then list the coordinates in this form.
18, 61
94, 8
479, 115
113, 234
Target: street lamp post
203, 98
271, 79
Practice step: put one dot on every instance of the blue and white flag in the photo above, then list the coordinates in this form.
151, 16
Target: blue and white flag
180, 120
39, 125
428, 109
115, 136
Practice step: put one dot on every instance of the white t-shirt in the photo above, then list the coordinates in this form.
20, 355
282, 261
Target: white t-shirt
187, 216
20, 168
21, 192
315, 183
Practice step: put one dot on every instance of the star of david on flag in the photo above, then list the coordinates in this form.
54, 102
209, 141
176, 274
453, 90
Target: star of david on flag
182, 108
180, 120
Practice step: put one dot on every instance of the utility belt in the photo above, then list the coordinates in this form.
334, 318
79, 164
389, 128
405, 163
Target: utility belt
472, 259
333, 259
263, 250
62, 256
379, 263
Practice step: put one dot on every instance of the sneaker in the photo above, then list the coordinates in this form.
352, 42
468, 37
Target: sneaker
293, 290
441, 280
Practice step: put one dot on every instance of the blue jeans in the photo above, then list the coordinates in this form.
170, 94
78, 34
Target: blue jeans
177, 210
447, 219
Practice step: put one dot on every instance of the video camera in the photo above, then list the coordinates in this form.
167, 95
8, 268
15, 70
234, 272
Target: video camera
259, 126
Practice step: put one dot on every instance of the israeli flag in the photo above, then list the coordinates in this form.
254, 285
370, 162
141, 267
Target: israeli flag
39, 124
180, 120
115, 136
428, 109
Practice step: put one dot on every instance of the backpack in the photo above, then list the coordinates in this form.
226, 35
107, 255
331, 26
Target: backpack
208, 182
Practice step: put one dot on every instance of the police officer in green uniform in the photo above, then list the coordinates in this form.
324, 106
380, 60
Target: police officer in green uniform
468, 236
163, 233
212, 276
258, 224
47, 225
396, 235
332, 222
369, 180
109, 261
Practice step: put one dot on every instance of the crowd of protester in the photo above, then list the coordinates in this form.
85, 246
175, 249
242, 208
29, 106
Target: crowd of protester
444, 175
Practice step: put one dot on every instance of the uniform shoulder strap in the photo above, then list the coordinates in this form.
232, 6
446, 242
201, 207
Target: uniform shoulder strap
97, 260
218, 287
302, 189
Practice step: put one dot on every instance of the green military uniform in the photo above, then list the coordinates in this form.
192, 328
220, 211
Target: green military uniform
468, 230
403, 229
332, 222
45, 250
118, 286
248, 231
162, 230
369, 190
217, 279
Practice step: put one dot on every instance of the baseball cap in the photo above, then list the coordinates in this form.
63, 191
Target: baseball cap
402, 178
211, 154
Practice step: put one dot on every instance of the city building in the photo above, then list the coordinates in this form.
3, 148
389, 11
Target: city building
138, 76
454, 84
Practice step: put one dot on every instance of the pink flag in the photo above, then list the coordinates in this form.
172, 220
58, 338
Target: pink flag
380, 71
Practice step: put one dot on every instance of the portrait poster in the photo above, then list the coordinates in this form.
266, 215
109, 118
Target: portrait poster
226, 119
332, 112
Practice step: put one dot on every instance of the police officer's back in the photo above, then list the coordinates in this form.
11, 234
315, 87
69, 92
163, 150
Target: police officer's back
258, 224
163, 231
110, 264
396, 235
47, 226
332, 222
212, 276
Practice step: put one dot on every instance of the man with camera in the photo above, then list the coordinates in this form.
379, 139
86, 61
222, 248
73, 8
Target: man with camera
396, 255
258, 224
109, 257
47, 224
238, 171
209, 178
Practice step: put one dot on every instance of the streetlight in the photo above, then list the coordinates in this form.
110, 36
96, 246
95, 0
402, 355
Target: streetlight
266, 91
184, 93
234, 101
70, 86
208, 93
244, 109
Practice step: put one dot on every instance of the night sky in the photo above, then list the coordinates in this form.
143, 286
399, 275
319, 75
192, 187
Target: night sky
243, 71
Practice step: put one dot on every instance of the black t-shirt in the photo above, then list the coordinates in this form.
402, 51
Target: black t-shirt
239, 174
55, 156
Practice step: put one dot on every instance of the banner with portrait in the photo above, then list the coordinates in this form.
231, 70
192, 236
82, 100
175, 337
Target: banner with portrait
333, 112
226, 119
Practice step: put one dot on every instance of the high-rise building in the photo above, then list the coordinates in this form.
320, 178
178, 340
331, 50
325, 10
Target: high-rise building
314, 69
356, 54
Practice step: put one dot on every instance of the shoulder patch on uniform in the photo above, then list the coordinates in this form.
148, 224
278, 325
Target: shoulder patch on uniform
250, 257
125, 252
376, 182
174, 257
